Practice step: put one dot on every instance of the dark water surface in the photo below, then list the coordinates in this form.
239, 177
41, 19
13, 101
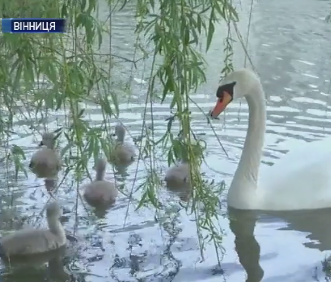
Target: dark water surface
289, 47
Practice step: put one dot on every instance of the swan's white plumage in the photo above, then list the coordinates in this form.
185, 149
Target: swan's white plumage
299, 180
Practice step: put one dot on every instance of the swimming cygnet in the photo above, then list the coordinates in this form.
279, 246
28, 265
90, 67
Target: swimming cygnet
36, 241
177, 179
100, 193
46, 162
123, 153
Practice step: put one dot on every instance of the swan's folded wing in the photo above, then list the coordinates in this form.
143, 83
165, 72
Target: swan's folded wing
299, 181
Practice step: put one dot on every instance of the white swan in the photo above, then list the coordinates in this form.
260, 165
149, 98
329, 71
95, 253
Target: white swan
300, 180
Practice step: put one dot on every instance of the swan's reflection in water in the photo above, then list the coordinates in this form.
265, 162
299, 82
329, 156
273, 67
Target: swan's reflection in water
242, 224
121, 171
316, 223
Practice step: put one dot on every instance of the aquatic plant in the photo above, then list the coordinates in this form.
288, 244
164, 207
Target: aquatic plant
41, 74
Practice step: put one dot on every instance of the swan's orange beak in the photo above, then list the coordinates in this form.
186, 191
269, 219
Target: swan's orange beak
221, 104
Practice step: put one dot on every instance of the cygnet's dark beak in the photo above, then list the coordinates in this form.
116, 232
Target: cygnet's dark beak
113, 135
41, 144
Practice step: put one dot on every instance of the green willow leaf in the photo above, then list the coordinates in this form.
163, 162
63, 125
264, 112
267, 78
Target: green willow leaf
211, 30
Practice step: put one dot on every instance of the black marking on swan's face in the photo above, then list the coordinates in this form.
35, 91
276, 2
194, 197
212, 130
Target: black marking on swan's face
225, 88
225, 95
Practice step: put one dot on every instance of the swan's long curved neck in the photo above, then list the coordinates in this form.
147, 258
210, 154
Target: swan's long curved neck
50, 145
120, 137
55, 226
100, 174
248, 167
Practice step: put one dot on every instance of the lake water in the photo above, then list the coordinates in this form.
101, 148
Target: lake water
289, 47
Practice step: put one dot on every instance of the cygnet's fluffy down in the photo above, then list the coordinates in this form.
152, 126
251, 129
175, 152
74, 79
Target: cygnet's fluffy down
100, 193
46, 162
36, 241
177, 180
177, 176
123, 153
